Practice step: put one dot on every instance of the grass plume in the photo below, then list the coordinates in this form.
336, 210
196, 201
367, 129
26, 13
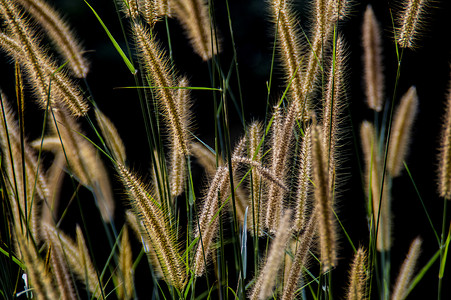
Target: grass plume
264, 285
372, 59
157, 226
410, 20
358, 276
407, 269
60, 33
401, 132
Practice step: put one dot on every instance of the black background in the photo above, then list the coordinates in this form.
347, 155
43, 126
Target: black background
427, 67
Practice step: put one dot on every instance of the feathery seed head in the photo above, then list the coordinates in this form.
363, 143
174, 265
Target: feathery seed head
373, 171
125, 267
323, 202
157, 226
60, 34
37, 272
58, 261
111, 136
290, 48
194, 16
157, 66
305, 243
410, 21
304, 181
405, 275
401, 132
372, 59
444, 158
83, 160
266, 281
27, 185
358, 276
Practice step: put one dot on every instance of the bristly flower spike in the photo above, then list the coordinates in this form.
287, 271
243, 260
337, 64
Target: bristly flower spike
60, 33
358, 276
157, 226
444, 162
323, 202
410, 20
372, 60
405, 275
265, 282
195, 18
401, 132
157, 66
21, 43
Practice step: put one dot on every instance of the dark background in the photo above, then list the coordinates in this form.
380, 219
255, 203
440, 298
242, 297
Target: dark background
427, 67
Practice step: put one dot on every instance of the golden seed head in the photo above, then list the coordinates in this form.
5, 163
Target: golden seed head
372, 59
410, 21
406, 272
444, 157
358, 276
401, 132
194, 16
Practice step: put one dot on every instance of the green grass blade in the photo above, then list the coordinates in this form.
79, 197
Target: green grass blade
422, 203
445, 254
115, 44
422, 272
14, 259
